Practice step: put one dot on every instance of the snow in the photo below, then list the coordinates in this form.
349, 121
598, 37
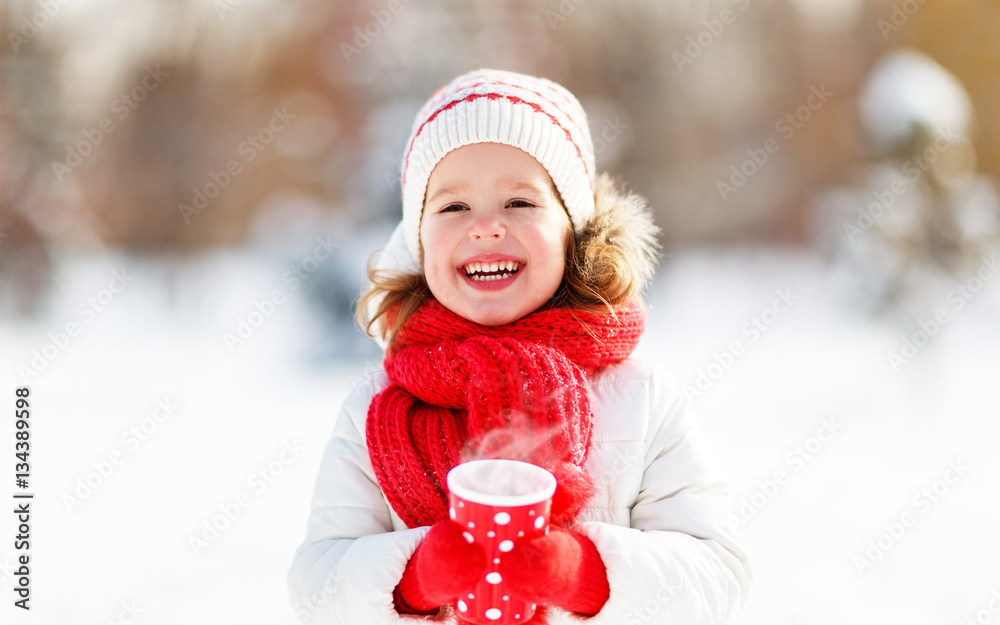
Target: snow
241, 431
908, 88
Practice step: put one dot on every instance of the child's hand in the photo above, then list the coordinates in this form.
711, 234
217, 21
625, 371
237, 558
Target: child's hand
562, 569
444, 566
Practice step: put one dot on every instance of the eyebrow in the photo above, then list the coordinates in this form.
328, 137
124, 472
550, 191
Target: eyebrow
510, 185
506, 185
452, 190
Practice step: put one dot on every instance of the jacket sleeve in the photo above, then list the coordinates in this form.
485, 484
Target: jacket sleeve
679, 562
345, 570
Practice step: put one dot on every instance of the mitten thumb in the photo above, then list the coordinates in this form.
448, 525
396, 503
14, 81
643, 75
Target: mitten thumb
444, 565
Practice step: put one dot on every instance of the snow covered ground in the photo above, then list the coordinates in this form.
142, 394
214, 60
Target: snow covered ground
173, 469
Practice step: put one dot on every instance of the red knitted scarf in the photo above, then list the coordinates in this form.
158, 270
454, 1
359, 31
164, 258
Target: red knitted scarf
461, 391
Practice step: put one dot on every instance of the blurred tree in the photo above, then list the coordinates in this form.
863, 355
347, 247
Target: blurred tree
708, 108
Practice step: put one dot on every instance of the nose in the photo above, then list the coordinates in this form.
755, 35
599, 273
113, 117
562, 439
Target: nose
487, 227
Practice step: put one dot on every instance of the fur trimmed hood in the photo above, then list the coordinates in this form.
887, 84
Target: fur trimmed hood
623, 219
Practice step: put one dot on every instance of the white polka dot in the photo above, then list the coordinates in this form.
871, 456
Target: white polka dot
461, 504
539, 522
494, 578
493, 614
471, 524
531, 513
472, 596
462, 607
451, 513
520, 534
496, 560
491, 534
506, 545
469, 537
506, 597
501, 518
516, 616
534, 606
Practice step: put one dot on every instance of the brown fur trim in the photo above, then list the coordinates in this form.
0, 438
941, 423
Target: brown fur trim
624, 220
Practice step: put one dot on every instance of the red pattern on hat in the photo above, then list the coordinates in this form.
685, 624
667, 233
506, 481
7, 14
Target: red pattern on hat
495, 96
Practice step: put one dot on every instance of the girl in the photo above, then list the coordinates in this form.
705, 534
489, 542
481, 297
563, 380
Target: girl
507, 300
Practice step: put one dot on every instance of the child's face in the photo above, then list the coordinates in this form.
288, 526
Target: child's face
489, 203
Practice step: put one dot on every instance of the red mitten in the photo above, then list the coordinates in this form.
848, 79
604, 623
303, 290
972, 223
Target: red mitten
562, 569
444, 565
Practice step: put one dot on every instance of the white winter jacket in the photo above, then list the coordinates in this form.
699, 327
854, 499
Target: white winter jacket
658, 520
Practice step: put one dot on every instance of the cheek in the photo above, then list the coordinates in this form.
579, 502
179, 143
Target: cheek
555, 251
427, 246
562, 244
559, 269
436, 258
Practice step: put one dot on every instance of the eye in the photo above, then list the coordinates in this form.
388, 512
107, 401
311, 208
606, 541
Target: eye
452, 208
520, 203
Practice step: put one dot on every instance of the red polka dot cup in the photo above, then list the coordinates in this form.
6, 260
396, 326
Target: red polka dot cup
498, 502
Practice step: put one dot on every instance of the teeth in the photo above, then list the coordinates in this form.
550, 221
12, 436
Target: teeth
507, 266
488, 278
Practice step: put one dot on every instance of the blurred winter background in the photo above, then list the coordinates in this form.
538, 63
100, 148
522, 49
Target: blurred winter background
190, 189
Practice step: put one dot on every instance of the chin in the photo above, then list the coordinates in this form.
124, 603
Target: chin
494, 320
493, 317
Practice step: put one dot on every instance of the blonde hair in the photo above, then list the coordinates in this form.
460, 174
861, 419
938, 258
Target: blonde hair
608, 264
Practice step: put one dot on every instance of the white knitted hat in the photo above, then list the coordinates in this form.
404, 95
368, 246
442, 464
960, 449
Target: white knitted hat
491, 106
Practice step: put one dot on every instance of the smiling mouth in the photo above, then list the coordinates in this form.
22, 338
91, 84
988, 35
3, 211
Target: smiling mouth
483, 272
